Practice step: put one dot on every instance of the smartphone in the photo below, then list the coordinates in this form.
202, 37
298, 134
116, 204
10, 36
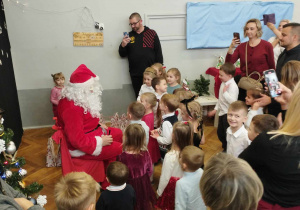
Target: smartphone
126, 34
272, 82
236, 35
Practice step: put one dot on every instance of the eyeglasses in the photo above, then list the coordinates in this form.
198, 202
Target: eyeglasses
131, 24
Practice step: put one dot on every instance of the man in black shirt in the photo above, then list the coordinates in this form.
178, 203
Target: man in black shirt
290, 40
142, 46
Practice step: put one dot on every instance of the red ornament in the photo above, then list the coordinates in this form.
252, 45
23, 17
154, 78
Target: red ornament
5, 163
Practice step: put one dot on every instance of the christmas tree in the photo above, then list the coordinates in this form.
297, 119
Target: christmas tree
11, 170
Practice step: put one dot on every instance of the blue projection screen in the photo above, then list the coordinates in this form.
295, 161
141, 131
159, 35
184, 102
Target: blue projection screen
211, 24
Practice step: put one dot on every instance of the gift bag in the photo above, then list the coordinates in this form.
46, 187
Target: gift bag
53, 158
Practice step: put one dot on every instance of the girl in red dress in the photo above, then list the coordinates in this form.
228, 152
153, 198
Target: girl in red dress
138, 161
149, 101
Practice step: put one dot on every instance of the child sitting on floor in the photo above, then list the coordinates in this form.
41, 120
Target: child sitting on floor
230, 183
171, 170
135, 113
118, 195
237, 135
187, 193
76, 191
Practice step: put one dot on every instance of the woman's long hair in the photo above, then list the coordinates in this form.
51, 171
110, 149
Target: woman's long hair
291, 123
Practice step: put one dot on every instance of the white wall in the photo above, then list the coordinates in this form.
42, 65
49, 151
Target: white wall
42, 43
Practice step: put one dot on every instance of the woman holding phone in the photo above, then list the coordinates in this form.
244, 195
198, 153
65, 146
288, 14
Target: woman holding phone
260, 55
275, 156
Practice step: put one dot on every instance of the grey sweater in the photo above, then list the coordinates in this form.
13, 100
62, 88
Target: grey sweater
7, 195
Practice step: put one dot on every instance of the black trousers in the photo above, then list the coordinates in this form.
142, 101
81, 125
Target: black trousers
137, 82
221, 131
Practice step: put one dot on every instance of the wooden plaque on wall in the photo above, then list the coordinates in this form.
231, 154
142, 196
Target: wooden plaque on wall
87, 39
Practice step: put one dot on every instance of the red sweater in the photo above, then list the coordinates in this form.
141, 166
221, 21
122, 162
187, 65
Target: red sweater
259, 58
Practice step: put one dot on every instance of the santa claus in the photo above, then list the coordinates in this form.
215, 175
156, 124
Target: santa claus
86, 145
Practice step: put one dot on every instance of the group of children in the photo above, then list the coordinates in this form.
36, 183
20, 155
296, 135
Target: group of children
166, 123
238, 124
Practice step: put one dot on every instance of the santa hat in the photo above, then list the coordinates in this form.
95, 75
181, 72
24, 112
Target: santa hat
82, 77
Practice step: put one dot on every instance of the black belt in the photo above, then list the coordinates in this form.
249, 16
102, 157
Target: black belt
93, 129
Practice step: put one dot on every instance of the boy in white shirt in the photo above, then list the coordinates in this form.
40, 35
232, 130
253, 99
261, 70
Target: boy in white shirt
135, 113
237, 134
187, 193
160, 86
228, 93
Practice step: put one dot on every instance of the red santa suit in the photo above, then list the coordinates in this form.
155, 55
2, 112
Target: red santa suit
81, 145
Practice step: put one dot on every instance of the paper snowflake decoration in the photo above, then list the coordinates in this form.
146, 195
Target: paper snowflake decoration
41, 200
2, 145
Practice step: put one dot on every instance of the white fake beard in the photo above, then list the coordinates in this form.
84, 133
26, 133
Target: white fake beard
86, 97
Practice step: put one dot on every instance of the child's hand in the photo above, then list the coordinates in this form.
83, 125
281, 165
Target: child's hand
255, 106
264, 100
106, 140
103, 126
225, 88
154, 134
212, 113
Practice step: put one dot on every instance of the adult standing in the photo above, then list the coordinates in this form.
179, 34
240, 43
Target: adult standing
290, 40
142, 47
85, 140
260, 55
275, 156
275, 39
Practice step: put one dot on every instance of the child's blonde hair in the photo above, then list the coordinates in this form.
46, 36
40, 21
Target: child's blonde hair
159, 69
57, 76
193, 157
238, 105
150, 98
182, 134
290, 74
176, 73
171, 101
151, 72
183, 94
75, 191
194, 110
137, 110
230, 183
134, 138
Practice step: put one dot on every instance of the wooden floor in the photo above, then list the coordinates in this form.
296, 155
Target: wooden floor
34, 148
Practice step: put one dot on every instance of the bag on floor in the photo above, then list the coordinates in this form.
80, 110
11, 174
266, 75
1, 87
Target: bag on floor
53, 158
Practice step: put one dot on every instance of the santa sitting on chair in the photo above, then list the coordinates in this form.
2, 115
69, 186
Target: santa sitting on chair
86, 145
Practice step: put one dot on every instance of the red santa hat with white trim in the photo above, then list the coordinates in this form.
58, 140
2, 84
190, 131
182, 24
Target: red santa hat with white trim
82, 77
